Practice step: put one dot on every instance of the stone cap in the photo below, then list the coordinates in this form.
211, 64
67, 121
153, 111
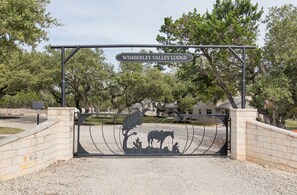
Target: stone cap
38, 128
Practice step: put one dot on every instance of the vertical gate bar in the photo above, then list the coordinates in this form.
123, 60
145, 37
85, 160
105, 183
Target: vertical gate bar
78, 133
227, 135
230, 134
63, 99
120, 131
243, 79
74, 135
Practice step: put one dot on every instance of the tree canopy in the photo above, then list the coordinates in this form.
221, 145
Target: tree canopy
274, 92
229, 22
215, 74
22, 23
135, 83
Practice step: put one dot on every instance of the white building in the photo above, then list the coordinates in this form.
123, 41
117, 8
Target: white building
220, 107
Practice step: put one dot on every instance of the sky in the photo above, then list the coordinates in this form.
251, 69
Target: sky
92, 22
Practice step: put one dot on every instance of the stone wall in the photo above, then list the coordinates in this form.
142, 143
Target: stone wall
21, 112
261, 143
37, 148
271, 146
239, 117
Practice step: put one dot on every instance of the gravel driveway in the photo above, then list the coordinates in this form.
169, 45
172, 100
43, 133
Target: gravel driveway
23, 122
195, 175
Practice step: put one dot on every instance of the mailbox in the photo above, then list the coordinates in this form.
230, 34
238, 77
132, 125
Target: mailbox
37, 105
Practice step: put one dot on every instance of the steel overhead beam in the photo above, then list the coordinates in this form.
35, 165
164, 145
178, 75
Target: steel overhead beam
235, 54
229, 47
71, 54
153, 46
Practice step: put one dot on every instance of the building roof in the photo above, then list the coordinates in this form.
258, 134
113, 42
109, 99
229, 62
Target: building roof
227, 105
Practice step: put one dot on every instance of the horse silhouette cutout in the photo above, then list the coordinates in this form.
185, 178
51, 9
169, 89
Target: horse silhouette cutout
158, 135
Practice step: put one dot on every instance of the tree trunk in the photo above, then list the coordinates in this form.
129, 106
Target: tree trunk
55, 94
2, 92
262, 70
76, 100
283, 123
220, 80
273, 112
143, 110
224, 87
115, 118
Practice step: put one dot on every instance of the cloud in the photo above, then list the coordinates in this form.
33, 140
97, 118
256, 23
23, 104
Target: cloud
123, 21
115, 21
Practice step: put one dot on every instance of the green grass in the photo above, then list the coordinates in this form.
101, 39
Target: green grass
103, 120
120, 120
291, 125
152, 119
9, 130
147, 119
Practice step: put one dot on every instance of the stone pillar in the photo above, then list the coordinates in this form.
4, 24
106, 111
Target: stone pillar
65, 128
239, 117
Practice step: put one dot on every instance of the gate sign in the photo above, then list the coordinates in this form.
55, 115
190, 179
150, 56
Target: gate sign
154, 57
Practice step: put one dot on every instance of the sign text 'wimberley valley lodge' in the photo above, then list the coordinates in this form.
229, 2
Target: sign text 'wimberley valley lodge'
154, 57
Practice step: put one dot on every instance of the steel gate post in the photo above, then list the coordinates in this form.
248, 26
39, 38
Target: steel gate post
73, 151
63, 87
243, 79
229, 122
227, 135
63, 82
78, 133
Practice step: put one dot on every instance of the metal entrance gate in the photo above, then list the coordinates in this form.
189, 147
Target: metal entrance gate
109, 134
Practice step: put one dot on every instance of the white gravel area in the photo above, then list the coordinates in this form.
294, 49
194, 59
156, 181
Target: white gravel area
130, 175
